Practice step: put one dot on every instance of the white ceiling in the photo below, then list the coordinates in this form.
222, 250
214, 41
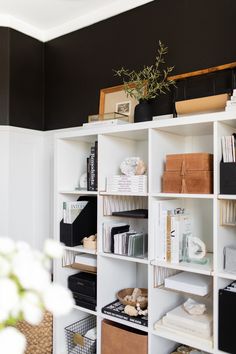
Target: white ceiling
48, 19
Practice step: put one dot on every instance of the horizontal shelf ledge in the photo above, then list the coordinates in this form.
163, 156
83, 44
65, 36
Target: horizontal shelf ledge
206, 269
225, 275
227, 196
83, 309
182, 195
124, 258
186, 339
80, 249
77, 192
124, 194
124, 322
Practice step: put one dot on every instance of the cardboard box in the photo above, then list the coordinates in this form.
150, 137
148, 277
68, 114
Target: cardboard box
117, 339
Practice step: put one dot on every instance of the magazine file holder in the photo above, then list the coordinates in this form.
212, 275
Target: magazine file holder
84, 225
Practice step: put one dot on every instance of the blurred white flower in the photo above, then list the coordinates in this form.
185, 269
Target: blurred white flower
12, 341
30, 271
53, 249
9, 297
5, 267
32, 308
7, 245
58, 300
26, 290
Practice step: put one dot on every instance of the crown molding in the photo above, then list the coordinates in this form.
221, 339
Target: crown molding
103, 13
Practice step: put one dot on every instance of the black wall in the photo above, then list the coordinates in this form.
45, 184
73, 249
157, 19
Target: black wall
26, 81
4, 75
199, 34
22, 80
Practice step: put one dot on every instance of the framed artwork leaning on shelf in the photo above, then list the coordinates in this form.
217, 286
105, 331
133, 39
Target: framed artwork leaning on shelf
114, 99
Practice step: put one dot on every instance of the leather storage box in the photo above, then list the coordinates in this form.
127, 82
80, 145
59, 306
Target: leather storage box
117, 339
188, 173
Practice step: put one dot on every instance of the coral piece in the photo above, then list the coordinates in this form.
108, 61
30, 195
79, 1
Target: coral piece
194, 307
133, 166
131, 310
90, 242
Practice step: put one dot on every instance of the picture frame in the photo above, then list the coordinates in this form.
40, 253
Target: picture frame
114, 98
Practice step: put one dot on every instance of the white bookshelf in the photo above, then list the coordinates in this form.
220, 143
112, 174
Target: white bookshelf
152, 141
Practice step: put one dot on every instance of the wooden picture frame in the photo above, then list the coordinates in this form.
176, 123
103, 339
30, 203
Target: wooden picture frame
112, 96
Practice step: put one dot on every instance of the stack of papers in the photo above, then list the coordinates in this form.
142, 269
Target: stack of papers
228, 148
71, 210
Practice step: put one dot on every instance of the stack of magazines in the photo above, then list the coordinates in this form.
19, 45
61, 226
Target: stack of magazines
118, 239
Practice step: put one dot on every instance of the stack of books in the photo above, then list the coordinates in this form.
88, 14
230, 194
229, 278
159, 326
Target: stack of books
172, 226
92, 169
231, 104
127, 184
119, 240
228, 148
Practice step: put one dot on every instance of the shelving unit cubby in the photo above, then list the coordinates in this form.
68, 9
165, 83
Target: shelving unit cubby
152, 141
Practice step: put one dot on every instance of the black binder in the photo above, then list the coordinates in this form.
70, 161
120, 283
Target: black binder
227, 315
84, 225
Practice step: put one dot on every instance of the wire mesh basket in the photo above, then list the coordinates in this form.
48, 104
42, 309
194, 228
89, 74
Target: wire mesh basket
77, 342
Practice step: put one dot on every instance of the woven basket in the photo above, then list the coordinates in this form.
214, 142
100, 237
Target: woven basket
128, 291
39, 338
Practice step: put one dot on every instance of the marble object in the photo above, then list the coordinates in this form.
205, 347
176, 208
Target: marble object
133, 166
194, 308
196, 248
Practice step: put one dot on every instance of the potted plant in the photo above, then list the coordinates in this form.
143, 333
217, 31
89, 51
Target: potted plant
147, 84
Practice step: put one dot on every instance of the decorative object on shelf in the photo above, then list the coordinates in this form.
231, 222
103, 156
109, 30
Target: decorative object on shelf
115, 99
90, 242
194, 308
194, 250
131, 310
83, 182
106, 119
147, 84
26, 290
188, 173
133, 296
132, 166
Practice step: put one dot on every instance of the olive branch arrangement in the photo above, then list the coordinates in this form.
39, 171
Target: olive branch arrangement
149, 82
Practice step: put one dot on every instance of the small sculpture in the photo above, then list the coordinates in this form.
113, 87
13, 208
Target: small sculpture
133, 166
194, 308
196, 248
90, 242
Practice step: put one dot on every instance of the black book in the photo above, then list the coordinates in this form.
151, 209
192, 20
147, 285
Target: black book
92, 168
88, 173
116, 309
96, 165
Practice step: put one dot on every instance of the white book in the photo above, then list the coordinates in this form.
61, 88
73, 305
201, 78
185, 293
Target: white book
175, 239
